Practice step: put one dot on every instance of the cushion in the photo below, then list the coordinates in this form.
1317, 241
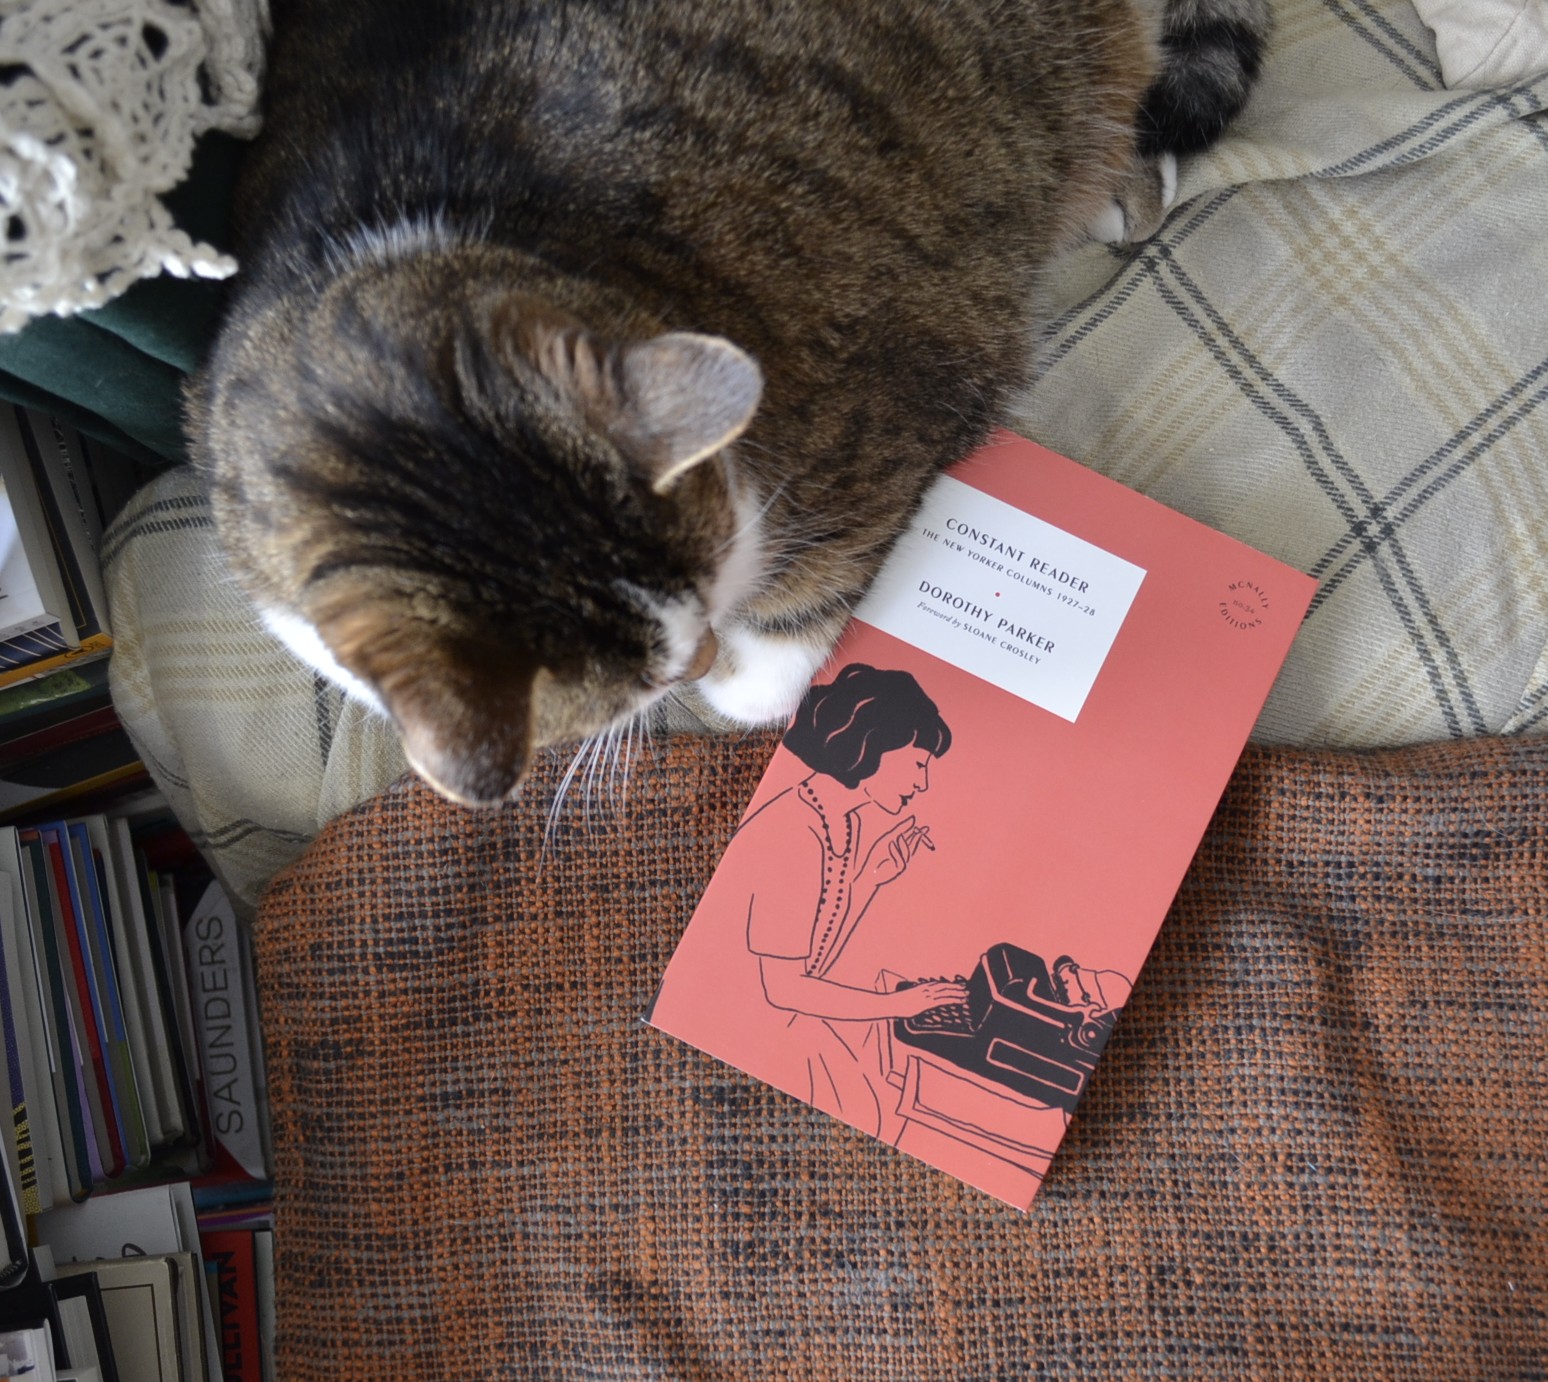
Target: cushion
1314, 1145
252, 750
1488, 42
1327, 352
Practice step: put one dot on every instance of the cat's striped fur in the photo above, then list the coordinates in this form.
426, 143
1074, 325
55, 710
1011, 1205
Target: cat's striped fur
585, 348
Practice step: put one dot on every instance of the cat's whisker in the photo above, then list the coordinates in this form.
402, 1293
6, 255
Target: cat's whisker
754, 519
593, 762
561, 793
621, 758
608, 767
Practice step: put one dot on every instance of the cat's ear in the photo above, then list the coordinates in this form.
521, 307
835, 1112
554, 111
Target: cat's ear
667, 403
683, 397
462, 707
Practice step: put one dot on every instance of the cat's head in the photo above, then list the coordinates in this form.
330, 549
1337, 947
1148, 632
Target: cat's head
506, 528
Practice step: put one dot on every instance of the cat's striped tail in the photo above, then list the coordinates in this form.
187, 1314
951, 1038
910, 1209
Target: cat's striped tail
1212, 51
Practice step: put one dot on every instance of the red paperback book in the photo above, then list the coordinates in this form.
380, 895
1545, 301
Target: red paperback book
943, 889
230, 1252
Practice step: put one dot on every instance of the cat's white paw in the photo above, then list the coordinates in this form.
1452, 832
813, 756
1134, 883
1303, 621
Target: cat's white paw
1107, 228
1141, 205
759, 680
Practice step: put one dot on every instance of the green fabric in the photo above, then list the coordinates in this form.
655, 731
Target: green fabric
116, 372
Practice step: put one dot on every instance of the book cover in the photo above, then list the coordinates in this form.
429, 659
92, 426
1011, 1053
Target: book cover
143, 1307
22, 606
942, 892
32, 532
88, 1340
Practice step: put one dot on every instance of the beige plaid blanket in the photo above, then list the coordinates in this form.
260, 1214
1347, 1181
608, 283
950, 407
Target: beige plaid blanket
1336, 349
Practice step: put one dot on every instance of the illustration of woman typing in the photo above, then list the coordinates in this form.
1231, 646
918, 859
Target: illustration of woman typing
827, 846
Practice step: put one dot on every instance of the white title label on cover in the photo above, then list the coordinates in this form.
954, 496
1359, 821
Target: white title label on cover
988, 588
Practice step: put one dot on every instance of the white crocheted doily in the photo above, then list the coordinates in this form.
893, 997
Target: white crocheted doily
101, 102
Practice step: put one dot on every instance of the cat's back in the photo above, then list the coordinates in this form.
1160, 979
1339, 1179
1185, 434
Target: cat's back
735, 134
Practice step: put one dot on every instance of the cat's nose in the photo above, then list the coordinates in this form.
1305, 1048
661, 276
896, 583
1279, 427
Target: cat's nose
704, 657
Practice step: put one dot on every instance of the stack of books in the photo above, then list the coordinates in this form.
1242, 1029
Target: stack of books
134, 1070
60, 740
136, 1204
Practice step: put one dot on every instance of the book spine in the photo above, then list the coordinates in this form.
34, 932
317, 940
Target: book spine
19, 1130
155, 995
100, 1091
166, 930
263, 1259
97, 646
214, 953
231, 1253
23, 647
131, 989
28, 984
89, 905
79, 566
76, 1134
83, 728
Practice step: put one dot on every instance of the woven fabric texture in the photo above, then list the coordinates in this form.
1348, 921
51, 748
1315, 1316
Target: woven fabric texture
1315, 1148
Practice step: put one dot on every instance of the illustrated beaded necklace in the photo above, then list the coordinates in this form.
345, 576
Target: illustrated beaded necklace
834, 899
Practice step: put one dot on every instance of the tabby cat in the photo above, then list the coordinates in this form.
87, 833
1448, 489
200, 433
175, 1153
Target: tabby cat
584, 350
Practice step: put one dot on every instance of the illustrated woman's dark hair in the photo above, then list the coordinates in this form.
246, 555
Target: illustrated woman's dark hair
843, 729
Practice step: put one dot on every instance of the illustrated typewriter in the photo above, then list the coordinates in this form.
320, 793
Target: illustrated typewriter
1014, 1029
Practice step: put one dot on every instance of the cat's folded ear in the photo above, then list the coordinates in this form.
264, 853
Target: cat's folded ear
463, 707
666, 403
684, 397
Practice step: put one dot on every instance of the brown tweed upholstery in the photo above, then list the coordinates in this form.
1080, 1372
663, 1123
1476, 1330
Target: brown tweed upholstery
1316, 1147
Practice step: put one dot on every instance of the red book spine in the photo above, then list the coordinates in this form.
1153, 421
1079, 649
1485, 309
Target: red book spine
231, 1252
93, 1035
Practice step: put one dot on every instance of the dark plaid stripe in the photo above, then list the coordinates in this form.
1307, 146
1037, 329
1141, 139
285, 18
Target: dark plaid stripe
179, 513
1430, 479
1338, 480
1366, 20
1473, 108
235, 831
